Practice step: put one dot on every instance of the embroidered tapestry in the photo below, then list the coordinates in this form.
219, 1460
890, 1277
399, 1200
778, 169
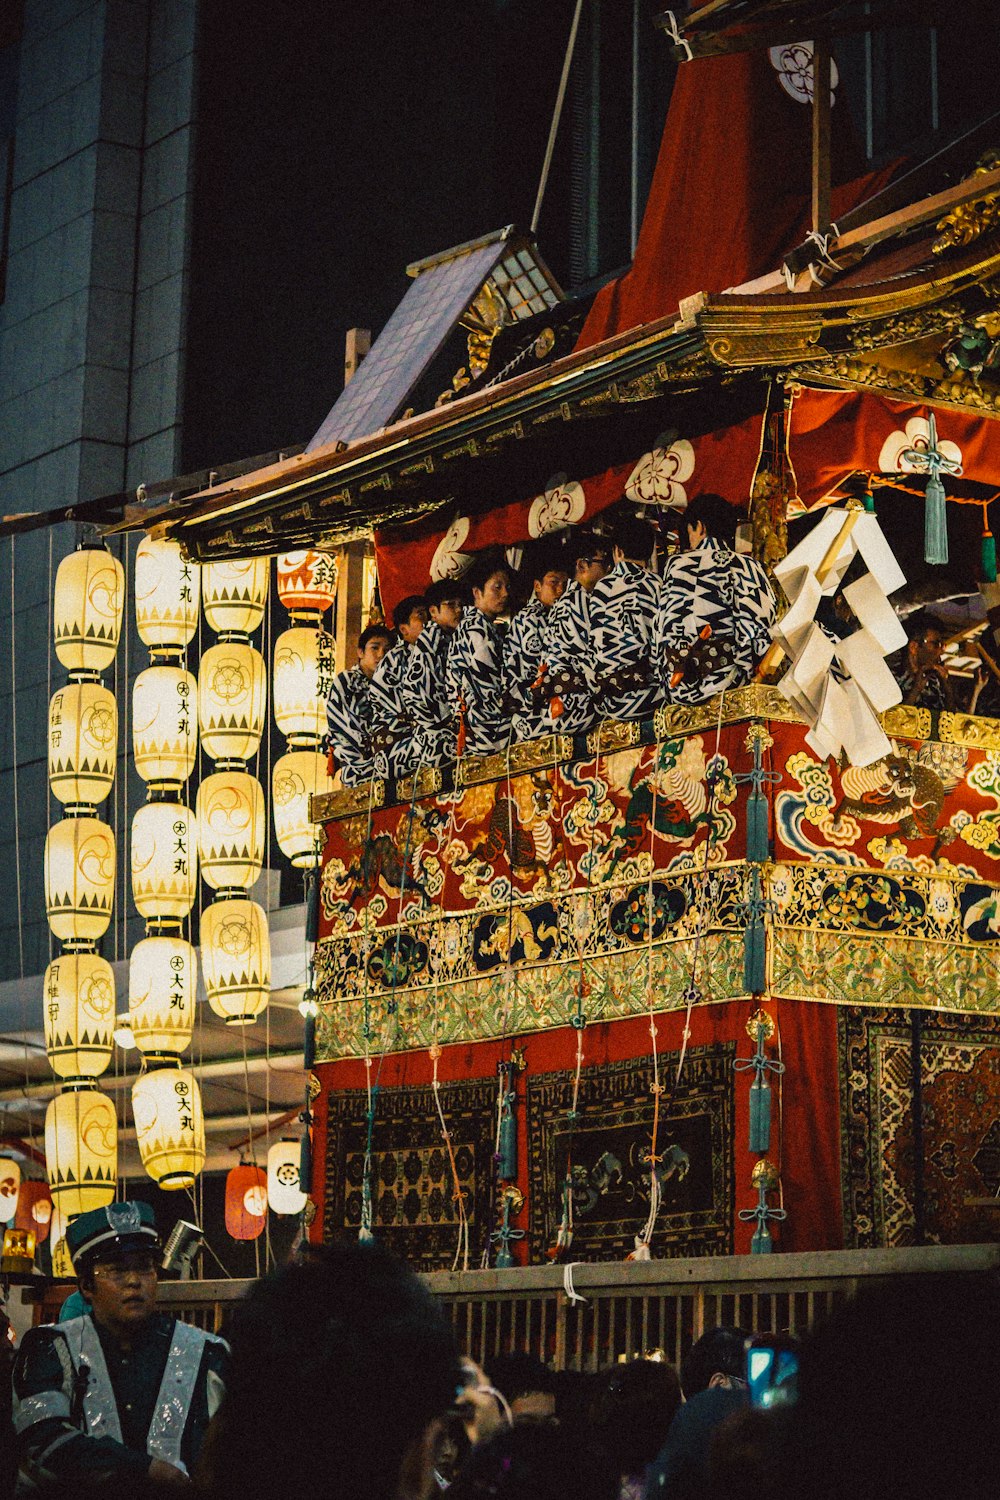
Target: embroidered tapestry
607, 1148
413, 1202
960, 1076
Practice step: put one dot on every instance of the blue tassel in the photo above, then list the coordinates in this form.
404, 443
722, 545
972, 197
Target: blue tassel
754, 968
760, 1115
762, 1243
935, 523
757, 828
507, 1155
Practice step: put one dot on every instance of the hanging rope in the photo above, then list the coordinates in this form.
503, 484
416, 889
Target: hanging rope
14, 757
550, 145
642, 1243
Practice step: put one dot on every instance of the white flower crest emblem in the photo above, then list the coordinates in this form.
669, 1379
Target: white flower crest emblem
449, 561
793, 64
561, 504
916, 436
660, 476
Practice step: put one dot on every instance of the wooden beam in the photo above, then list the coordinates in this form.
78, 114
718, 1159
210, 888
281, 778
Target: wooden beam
356, 345
822, 75
981, 185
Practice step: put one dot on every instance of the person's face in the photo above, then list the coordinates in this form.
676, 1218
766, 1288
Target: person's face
551, 587
695, 534
447, 614
491, 599
123, 1290
412, 627
369, 658
925, 651
534, 1406
590, 570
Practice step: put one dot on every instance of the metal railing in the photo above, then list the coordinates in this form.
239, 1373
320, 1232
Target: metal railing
625, 1309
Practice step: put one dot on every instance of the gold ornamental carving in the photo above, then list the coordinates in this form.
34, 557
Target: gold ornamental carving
906, 722
612, 735
346, 802
970, 221
425, 782
970, 730
528, 755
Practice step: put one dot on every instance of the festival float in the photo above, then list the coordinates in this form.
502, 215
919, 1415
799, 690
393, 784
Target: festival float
724, 980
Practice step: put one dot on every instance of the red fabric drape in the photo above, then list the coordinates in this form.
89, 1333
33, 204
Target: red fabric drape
730, 191
809, 1118
833, 433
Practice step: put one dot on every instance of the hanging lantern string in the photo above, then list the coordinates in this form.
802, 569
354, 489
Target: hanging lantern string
458, 1193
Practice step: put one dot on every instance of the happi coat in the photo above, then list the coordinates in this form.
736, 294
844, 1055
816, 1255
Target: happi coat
425, 698
349, 726
476, 683
624, 608
714, 624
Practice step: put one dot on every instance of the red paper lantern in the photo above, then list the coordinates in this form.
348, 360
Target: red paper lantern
34, 1209
246, 1202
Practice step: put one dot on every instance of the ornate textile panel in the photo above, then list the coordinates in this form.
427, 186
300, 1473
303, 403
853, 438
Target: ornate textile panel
412, 1185
608, 1147
960, 1072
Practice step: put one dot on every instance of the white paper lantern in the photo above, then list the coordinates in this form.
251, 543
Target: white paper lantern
167, 596
162, 986
62, 1266
296, 777
236, 959
79, 991
307, 581
81, 1150
164, 725
83, 743
164, 860
79, 879
231, 828
234, 594
232, 696
87, 606
10, 1186
169, 1126
284, 1194
302, 671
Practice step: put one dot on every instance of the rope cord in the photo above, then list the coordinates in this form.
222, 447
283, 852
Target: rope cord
550, 144
656, 1087
14, 757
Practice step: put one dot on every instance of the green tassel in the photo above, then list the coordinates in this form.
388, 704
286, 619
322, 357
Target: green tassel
754, 971
989, 557
868, 500
757, 828
507, 1155
762, 1243
504, 1259
760, 1116
935, 523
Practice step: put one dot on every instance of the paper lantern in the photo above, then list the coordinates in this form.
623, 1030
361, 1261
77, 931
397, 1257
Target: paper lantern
79, 991
10, 1187
230, 810
301, 683
164, 859
83, 743
234, 594
232, 693
79, 879
164, 725
236, 959
307, 581
81, 1150
34, 1209
169, 1126
162, 986
296, 777
246, 1201
87, 605
167, 596
284, 1194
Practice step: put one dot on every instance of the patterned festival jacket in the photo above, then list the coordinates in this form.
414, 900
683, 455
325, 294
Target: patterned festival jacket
714, 623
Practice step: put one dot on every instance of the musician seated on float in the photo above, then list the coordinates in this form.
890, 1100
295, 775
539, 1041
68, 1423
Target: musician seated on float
122, 1394
349, 709
424, 688
525, 652
717, 609
923, 678
624, 607
570, 680
392, 731
475, 660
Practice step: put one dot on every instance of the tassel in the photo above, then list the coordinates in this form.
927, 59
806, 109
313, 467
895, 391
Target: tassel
762, 1243
460, 742
935, 523
989, 557
309, 1043
754, 968
507, 1155
760, 1116
312, 907
641, 1251
305, 1163
757, 828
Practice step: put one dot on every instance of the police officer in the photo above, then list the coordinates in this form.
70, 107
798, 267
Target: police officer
123, 1392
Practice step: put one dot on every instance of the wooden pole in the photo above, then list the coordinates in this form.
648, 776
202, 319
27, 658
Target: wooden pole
356, 346
821, 135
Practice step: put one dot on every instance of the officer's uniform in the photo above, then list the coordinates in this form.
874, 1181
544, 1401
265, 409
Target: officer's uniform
86, 1407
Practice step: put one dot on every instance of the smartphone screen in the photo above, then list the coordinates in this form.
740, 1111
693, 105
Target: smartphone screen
772, 1375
